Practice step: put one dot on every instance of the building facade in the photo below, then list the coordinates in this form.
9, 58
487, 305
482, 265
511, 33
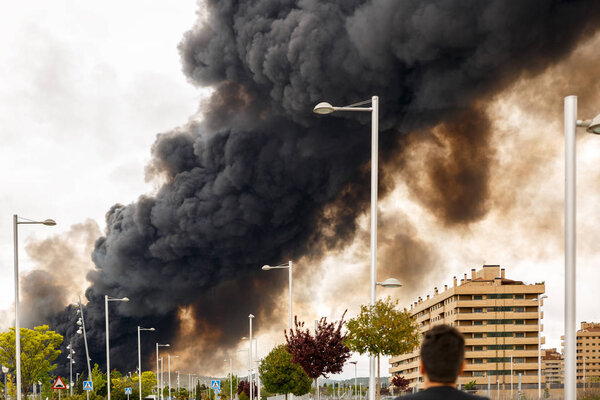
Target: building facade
588, 352
554, 366
497, 316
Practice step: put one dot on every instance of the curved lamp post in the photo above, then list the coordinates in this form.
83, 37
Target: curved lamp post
289, 268
16, 222
158, 392
106, 300
140, 357
592, 126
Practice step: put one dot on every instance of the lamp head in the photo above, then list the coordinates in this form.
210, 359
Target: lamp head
266, 267
124, 299
49, 222
390, 283
594, 125
151, 329
250, 316
323, 108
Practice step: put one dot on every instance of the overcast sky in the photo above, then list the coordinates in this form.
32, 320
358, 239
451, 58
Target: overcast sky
86, 86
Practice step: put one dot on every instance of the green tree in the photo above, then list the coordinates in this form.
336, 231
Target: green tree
99, 381
39, 349
225, 387
279, 375
381, 329
79, 385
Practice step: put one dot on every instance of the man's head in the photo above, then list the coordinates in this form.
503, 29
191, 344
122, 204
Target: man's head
442, 354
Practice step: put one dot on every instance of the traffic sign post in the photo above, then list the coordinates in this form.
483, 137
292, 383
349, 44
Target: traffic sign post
128, 391
215, 385
88, 386
59, 385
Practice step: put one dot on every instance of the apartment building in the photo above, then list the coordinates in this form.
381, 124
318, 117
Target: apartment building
588, 352
499, 319
554, 366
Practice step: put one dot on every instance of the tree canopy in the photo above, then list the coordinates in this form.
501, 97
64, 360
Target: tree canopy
321, 354
39, 348
280, 375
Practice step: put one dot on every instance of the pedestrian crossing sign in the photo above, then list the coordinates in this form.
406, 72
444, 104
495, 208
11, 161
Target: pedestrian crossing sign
128, 391
87, 385
215, 385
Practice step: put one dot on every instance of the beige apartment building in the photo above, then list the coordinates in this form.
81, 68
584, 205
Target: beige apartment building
554, 366
499, 319
588, 352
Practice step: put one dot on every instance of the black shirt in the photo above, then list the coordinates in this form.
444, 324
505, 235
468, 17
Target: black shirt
441, 392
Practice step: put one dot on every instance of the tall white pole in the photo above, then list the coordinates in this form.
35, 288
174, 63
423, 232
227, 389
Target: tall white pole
157, 381
570, 111
139, 363
231, 379
17, 327
374, 166
107, 348
169, 362
290, 290
250, 317
162, 379
87, 353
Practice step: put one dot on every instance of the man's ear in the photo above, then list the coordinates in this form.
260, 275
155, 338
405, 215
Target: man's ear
422, 367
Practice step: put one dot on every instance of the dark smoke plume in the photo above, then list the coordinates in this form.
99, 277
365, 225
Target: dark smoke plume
262, 179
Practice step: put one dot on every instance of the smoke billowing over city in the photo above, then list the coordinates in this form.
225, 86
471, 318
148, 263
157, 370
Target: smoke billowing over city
261, 179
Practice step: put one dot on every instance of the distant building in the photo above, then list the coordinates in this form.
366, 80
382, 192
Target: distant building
588, 352
497, 316
554, 366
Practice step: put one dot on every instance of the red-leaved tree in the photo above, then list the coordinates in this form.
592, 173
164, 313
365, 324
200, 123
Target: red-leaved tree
322, 354
244, 387
400, 382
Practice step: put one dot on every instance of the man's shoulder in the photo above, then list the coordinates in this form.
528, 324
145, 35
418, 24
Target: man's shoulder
445, 392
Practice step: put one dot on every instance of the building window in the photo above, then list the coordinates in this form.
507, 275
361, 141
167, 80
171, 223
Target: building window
499, 296
502, 308
498, 359
478, 335
477, 297
477, 348
519, 309
499, 334
519, 347
498, 372
499, 321
519, 360
500, 347
477, 322
519, 334
478, 373
519, 322
518, 296
478, 310
478, 361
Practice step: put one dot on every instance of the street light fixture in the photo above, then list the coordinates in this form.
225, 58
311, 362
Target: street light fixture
355, 377
82, 330
106, 300
158, 392
289, 267
16, 222
140, 357
390, 283
169, 366
326, 108
592, 126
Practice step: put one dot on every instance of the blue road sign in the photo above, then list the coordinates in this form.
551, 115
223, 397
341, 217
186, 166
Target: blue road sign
215, 385
128, 391
87, 385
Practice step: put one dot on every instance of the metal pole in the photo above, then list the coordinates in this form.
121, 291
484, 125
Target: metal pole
231, 378
169, 362
570, 111
107, 348
157, 381
71, 368
162, 379
584, 375
139, 363
87, 353
250, 317
17, 327
488, 387
290, 283
374, 166
355, 378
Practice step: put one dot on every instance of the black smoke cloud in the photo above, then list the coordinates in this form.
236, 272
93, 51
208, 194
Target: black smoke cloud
262, 180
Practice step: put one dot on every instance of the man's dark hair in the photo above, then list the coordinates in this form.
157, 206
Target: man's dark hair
442, 353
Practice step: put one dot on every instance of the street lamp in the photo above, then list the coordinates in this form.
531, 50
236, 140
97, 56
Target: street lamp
158, 394
16, 222
5, 371
169, 363
326, 108
71, 362
539, 300
81, 330
106, 300
592, 126
140, 357
355, 376
289, 267
390, 283
250, 318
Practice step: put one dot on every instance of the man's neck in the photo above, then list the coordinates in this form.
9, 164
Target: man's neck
428, 384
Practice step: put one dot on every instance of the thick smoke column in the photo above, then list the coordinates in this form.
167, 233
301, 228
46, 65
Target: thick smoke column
262, 180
